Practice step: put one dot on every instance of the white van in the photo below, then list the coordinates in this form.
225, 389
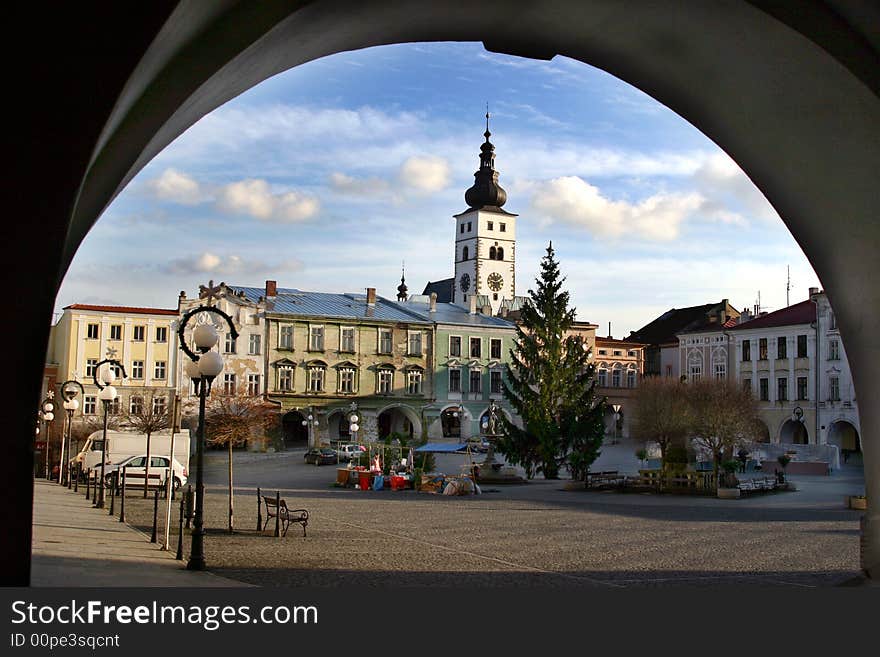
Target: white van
124, 444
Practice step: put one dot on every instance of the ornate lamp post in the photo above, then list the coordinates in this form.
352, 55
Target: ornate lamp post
103, 377
202, 367
353, 420
310, 422
71, 404
47, 415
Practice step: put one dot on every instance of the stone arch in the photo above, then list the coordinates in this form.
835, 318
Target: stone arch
845, 435
293, 432
793, 432
762, 430
398, 418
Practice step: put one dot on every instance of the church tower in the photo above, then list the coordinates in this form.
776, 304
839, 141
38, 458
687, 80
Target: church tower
485, 239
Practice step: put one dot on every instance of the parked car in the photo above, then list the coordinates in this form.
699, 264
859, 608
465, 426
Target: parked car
348, 452
320, 456
136, 467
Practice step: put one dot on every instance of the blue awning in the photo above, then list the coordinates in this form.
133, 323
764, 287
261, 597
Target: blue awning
442, 447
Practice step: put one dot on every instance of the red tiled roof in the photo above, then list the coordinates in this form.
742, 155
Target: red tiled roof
129, 310
628, 344
800, 313
730, 323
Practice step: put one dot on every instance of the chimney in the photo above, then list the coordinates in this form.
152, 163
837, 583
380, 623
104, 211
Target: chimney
371, 296
271, 289
182, 295
473, 304
814, 291
433, 302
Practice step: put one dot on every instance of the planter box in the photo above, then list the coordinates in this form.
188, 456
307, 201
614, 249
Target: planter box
857, 502
728, 493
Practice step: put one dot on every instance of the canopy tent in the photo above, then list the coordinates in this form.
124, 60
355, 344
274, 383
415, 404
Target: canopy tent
443, 447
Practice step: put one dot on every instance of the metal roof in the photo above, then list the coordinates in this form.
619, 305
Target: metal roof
451, 313
290, 301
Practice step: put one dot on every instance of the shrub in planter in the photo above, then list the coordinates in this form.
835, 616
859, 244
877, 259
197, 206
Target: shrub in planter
728, 476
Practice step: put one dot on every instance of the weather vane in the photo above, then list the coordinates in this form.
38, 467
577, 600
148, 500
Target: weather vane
210, 292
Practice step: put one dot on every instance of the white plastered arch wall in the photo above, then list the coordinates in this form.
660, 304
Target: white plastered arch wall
801, 123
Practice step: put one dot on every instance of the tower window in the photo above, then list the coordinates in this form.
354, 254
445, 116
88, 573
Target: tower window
490, 225
464, 253
469, 227
492, 252
462, 228
502, 227
499, 254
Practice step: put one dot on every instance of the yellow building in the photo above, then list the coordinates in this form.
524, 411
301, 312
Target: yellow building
144, 340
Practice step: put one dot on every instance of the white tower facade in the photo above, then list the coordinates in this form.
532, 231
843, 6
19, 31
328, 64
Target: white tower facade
485, 239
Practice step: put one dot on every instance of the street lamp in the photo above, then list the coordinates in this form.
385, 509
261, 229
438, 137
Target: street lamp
202, 368
616, 409
309, 423
47, 415
71, 404
103, 376
353, 420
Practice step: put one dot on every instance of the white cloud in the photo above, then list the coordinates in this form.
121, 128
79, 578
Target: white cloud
426, 173
254, 197
574, 201
174, 185
227, 265
358, 186
725, 185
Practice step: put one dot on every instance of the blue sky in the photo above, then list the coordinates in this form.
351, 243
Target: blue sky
327, 177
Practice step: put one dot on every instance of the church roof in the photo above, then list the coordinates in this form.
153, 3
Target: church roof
442, 288
486, 193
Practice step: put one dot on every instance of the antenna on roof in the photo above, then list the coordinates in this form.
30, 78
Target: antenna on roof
787, 284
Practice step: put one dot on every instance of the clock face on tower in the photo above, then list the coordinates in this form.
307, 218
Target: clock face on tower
465, 282
495, 281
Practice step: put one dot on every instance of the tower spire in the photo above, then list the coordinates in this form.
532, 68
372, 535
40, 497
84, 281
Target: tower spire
486, 192
402, 288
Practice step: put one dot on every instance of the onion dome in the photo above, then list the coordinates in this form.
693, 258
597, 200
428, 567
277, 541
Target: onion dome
402, 289
486, 192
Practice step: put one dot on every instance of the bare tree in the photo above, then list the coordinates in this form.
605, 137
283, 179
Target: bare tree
149, 417
230, 420
662, 412
723, 416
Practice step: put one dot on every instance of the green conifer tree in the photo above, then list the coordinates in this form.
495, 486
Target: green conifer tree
551, 384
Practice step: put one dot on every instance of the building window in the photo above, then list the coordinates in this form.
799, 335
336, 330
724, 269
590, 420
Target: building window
91, 363
615, 378
495, 382
490, 225
285, 379
116, 406
762, 349
834, 388
346, 340
464, 253
618, 352
454, 380
781, 348
476, 382
695, 366
139, 332
414, 382
499, 254
502, 227
476, 347
159, 370
455, 345
747, 385
802, 388
495, 348
746, 351
462, 228
833, 350
285, 337
137, 369
632, 352
160, 405
491, 253
254, 344
116, 332
346, 380
720, 370
603, 352
92, 331
253, 385
415, 343
136, 405
229, 344
631, 379
90, 404
802, 346
832, 320
469, 227
782, 389
386, 381
764, 385
161, 334
603, 378
316, 379
384, 341
229, 384
316, 338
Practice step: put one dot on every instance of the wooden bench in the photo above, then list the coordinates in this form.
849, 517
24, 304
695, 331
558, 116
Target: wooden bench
285, 515
757, 484
606, 478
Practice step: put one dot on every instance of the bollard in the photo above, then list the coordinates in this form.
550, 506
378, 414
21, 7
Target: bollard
78, 475
189, 506
165, 487
179, 556
259, 510
88, 481
112, 495
155, 516
277, 511
122, 498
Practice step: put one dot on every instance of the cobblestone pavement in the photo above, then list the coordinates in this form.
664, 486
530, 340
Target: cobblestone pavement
534, 535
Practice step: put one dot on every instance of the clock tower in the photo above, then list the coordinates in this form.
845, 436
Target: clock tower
485, 239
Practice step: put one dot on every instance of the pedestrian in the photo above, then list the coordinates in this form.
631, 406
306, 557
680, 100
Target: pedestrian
743, 458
